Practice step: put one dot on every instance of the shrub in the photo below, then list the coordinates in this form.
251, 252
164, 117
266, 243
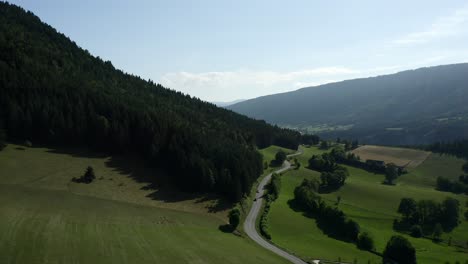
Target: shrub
88, 177
275, 185
399, 250
365, 242
234, 218
264, 219
280, 157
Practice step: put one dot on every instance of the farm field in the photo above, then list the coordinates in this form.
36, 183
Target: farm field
403, 157
299, 234
373, 205
44, 218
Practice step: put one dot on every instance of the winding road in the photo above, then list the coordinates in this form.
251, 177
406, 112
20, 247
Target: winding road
249, 224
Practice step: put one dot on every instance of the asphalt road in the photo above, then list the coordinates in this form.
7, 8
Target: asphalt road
249, 224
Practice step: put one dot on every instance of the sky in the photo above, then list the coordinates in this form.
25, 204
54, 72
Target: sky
227, 50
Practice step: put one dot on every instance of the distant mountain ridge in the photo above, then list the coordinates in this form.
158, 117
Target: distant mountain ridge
225, 104
410, 107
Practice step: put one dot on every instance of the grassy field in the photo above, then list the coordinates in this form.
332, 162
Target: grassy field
373, 205
270, 152
409, 158
119, 218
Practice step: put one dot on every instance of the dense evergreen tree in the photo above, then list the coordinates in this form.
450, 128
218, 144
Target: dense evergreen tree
310, 139
458, 148
53, 92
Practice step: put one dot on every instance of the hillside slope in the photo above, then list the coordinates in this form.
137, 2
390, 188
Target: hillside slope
54, 92
410, 107
118, 218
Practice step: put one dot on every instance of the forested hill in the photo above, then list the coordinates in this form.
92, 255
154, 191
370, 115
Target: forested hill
53, 92
411, 107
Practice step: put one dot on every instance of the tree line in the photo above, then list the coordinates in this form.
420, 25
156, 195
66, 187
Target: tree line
273, 189
427, 217
457, 148
53, 92
331, 220
333, 176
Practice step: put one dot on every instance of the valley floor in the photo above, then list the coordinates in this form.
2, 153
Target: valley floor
373, 205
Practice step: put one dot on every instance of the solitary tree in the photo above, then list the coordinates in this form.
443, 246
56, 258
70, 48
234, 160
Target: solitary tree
391, 173
399, 250
234, 218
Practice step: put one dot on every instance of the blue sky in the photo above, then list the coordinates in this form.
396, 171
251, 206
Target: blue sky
227, 50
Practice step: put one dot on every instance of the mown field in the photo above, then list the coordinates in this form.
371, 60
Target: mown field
119, 218
404, 157
373, 205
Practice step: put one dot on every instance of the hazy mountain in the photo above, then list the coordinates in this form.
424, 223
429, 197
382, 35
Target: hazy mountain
410, 107
225, 104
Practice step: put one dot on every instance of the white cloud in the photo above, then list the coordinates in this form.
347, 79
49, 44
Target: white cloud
446, 26
229, 85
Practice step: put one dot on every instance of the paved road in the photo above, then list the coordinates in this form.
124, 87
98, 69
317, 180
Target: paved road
249, 224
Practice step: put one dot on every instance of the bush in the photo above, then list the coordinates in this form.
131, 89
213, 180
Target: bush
275, 185
264, 219
87, 178
365, 242
416, 231
399, 250
466, 215
443, 184
234, 218
280, 157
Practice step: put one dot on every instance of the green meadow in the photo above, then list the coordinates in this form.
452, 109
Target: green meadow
373, 205
45, 218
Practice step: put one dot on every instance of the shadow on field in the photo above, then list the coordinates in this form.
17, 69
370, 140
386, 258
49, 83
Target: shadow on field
155, 180
77, 153
322, 223
159, 181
